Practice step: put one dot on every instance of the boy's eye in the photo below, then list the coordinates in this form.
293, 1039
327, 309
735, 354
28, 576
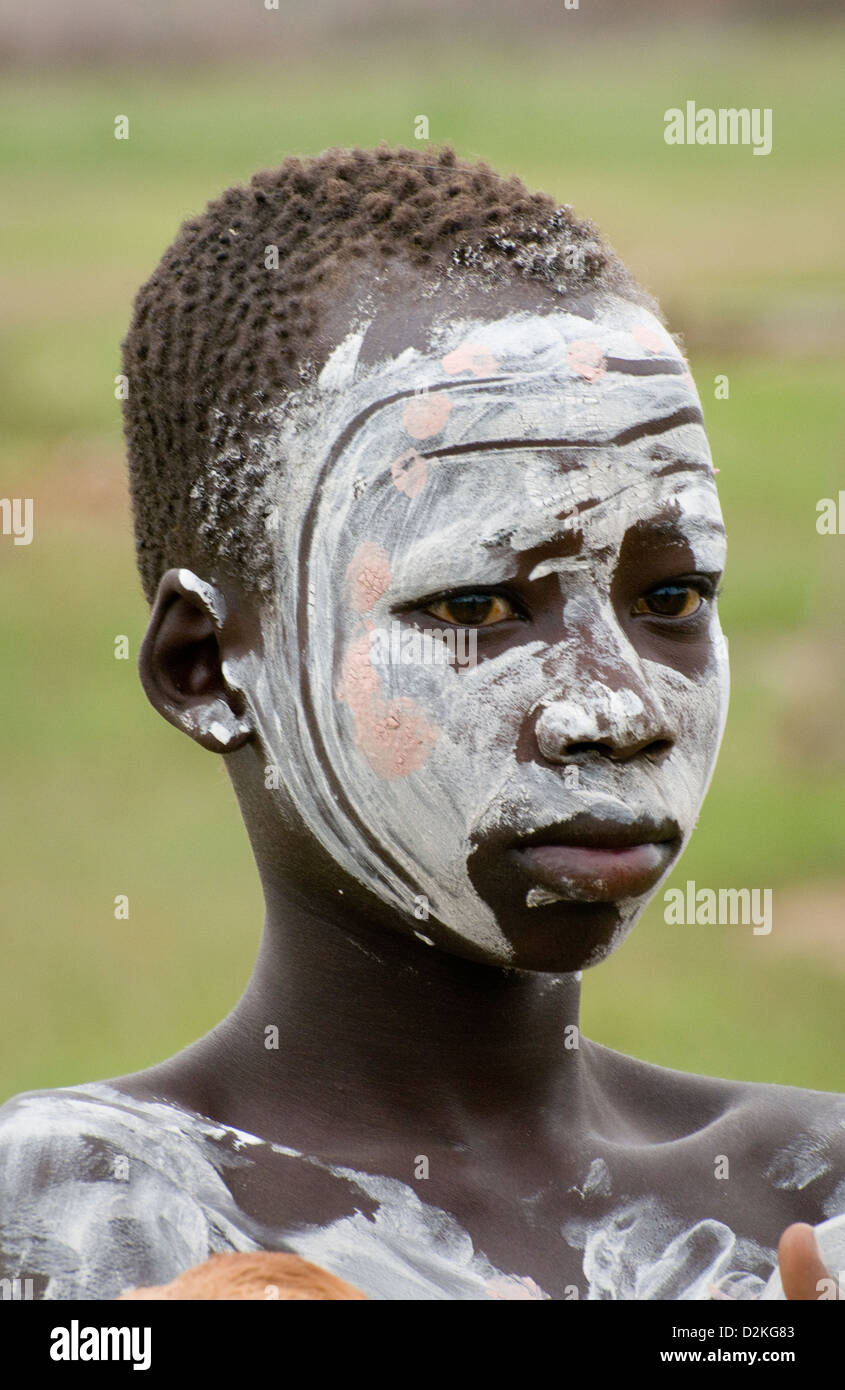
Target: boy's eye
670, 601
472, 610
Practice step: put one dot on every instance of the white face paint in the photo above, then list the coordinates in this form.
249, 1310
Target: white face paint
535, 445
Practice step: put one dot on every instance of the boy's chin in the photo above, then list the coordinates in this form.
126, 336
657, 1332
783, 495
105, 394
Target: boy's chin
556, 937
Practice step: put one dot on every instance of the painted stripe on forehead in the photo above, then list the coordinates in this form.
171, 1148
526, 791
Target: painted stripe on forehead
646, 366
509, 412
689, 415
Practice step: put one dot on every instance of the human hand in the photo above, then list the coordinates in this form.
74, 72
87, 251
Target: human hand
803, 1272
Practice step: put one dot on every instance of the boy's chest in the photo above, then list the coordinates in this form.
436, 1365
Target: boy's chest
618, 1225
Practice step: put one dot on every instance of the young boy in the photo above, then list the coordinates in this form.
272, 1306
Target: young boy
427, 518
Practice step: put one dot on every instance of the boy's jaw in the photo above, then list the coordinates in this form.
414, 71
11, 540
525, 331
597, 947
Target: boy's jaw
426, 781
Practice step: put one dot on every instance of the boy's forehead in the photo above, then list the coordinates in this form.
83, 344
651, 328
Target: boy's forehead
525, 418
578, 390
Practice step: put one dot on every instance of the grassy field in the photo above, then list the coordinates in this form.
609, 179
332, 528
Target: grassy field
103, 798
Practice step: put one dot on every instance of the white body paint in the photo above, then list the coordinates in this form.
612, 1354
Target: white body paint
91, 1234
207, 592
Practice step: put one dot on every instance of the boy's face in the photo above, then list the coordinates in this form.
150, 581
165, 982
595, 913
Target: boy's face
538, 486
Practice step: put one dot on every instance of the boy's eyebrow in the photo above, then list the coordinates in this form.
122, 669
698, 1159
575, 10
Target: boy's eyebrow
478, 568
666, 530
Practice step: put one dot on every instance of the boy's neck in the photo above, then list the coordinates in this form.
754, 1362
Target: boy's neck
377, 1032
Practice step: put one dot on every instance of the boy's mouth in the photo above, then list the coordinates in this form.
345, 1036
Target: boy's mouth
589, 859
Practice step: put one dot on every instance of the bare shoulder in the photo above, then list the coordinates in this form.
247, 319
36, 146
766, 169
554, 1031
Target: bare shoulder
100, 1193
798, 1138
791, 1137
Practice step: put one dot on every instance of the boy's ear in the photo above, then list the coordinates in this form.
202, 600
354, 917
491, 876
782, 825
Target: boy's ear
180, 663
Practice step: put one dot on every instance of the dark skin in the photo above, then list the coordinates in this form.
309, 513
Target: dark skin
388, 1050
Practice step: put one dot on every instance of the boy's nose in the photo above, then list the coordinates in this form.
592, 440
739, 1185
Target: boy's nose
610, 709
617, 724
603, 702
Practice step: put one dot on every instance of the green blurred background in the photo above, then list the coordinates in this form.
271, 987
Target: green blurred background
103, 798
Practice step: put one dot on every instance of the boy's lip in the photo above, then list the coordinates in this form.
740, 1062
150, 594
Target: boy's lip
598, 859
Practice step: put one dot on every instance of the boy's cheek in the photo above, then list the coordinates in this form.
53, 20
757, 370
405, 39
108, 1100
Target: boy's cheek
479, 707
697, 704
696, 709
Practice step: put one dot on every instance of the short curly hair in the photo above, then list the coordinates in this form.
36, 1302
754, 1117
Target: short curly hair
217, 337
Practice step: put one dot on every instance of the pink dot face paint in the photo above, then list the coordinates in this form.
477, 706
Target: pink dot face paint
470, 357
559, 465
425, 416
410, 473
367, 576
394, 736
587, 360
